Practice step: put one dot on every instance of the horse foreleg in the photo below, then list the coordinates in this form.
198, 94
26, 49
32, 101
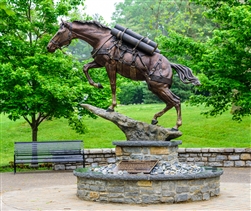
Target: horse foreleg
88, 66
111, 72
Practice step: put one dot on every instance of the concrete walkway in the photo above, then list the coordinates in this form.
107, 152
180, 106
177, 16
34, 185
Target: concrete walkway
52, 190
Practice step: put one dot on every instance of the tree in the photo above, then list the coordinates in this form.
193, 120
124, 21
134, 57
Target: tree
223, 61
130, 93
35, 84
157, 17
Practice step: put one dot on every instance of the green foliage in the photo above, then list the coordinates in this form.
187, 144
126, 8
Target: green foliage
5, 8
39, 84
35, 84
223, 61
131, 93
158, 17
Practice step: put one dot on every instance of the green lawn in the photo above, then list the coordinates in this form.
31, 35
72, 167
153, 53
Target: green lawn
198, 131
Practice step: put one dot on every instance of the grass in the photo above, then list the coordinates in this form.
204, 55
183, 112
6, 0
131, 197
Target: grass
198, 131
24, 168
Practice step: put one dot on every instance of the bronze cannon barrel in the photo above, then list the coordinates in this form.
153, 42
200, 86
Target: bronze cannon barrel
133, 41
138, 36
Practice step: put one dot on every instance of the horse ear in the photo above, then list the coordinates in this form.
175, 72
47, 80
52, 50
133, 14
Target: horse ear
62, 22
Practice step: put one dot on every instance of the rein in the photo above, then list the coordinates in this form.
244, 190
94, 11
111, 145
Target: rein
96, 51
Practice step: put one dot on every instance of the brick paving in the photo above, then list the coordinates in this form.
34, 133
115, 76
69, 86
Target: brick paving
57, 191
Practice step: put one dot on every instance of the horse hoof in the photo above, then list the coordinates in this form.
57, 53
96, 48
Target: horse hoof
174, 129
100, 86
109, 110
154, 121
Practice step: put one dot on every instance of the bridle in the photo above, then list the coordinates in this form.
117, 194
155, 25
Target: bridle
59, 44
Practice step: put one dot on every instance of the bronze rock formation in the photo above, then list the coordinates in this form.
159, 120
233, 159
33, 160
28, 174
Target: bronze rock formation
135, 130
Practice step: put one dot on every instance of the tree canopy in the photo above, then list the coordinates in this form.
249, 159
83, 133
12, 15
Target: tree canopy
223, 60
157, 17
35, 84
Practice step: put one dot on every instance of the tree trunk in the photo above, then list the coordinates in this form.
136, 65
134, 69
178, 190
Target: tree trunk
34, 133
34, 127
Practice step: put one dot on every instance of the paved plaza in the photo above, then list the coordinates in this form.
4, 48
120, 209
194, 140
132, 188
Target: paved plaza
51, 190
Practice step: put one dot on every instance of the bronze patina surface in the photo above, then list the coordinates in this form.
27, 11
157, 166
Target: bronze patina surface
137, 166
117, 56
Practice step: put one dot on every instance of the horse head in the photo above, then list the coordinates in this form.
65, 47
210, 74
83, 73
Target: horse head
62, 38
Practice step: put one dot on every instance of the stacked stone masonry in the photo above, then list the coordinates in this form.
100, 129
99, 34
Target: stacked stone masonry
169, 154
93, 157
145, 191
219, 157
140, 188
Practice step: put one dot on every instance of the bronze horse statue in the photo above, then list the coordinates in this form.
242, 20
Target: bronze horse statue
118, 57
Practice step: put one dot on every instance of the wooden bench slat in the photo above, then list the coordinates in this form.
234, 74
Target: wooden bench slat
48, 160
51, 152
31, 157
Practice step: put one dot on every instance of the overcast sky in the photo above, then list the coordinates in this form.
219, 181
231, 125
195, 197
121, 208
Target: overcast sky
103, 7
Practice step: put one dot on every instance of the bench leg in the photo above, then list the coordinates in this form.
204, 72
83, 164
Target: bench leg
83, 160
14, 164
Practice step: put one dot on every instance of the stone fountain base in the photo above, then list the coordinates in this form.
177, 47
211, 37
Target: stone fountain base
159, 186
145, 189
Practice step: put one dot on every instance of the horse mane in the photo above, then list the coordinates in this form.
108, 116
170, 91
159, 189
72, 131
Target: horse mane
91, 22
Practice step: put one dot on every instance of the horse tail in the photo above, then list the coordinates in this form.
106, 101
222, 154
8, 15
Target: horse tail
185, 74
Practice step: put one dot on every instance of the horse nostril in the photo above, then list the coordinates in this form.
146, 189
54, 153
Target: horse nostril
48, 48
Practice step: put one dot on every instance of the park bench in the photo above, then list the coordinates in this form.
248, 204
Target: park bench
48, 152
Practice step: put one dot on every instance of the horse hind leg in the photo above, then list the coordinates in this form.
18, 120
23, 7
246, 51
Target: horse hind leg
171, 100
179, 120
159, 114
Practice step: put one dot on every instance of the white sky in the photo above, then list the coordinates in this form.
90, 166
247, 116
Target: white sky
105, 8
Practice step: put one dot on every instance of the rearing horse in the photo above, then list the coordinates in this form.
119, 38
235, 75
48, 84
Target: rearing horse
118, 57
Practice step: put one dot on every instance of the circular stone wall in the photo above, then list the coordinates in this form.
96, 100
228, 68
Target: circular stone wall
144, 189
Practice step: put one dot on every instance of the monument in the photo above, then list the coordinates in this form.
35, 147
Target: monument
119, 53
147, 168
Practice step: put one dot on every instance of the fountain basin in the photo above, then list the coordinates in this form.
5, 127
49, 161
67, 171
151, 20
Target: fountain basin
146, 188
